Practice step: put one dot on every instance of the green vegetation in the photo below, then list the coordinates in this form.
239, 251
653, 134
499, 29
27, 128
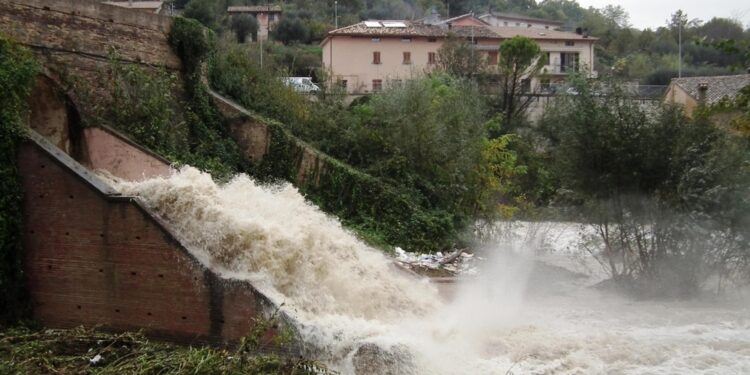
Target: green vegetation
456, 57
519, 57
244, 25
18, 70
667, 196
34, 351
622, 51
411, 157
179, 122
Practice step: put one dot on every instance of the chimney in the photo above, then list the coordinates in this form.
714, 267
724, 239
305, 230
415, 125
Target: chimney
702, 90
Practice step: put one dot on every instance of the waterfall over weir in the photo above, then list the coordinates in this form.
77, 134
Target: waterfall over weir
362, 315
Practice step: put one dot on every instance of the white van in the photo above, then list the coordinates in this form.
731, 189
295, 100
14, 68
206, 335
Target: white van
301, 84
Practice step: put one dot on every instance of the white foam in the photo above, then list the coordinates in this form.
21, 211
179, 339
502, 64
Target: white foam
345, 294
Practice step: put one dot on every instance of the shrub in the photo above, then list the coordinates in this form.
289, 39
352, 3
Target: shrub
667, 196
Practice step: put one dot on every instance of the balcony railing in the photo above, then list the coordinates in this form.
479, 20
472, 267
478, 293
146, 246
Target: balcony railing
561, 69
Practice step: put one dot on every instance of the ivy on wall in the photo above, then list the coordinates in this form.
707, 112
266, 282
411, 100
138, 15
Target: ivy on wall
18, 70
380, 213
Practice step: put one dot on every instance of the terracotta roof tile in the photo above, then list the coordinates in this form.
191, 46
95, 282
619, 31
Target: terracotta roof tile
521, 18
413, 28
718, 86
535, 33
255, 9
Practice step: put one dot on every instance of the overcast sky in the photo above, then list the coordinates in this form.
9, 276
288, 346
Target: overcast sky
654, 13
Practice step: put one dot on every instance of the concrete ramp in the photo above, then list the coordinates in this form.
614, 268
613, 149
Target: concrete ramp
94, 257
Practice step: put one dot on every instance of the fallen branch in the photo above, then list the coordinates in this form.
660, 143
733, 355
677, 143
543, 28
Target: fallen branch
452, 257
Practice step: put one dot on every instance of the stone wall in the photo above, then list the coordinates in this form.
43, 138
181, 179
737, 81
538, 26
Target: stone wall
73, 40
96, 258
254, 138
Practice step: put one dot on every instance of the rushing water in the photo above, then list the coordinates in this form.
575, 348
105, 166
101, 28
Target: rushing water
525, 313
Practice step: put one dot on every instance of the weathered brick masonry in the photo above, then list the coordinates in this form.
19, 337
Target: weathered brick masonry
92, 256
96, 258
73, 39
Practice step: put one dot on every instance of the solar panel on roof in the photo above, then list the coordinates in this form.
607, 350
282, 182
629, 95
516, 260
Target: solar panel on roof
373, 24
394, 24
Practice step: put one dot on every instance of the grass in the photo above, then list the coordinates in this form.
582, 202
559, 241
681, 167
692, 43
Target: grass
25, 350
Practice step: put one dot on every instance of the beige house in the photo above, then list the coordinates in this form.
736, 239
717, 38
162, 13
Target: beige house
514, 20
267, 15
690, 92
141, 6
367, 56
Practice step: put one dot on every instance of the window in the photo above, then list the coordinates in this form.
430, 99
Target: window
518, 24
271, 17
376, 40
396, 83
505, 23
570, 43
569, 62
431, 58
377, 85
376, 57
492, 57
528, 25
432, 40
546, 27
405, 40
407, 57
343, 83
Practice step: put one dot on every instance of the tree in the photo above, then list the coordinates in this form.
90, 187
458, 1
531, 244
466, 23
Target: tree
458, 58
520, 58
721, 28
667, 197
245, 24
204, 11
291, 29
616, 15
433, 129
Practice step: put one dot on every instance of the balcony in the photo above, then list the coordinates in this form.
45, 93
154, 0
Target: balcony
560, 69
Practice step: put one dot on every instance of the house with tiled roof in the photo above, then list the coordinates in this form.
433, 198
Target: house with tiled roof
267, 15
518, 21
140, 6
367, 56
691, 92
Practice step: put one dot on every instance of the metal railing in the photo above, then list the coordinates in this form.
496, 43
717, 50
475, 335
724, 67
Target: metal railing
561, 69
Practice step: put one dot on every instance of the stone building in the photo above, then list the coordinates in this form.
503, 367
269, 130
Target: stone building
267, 15
690, 92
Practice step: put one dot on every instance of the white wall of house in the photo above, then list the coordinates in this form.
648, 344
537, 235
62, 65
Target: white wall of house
500, 21
350, 59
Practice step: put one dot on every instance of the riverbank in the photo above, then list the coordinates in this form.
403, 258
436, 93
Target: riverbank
36, 350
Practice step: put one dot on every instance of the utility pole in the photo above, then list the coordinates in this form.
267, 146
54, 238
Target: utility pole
679, 63
336, 13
